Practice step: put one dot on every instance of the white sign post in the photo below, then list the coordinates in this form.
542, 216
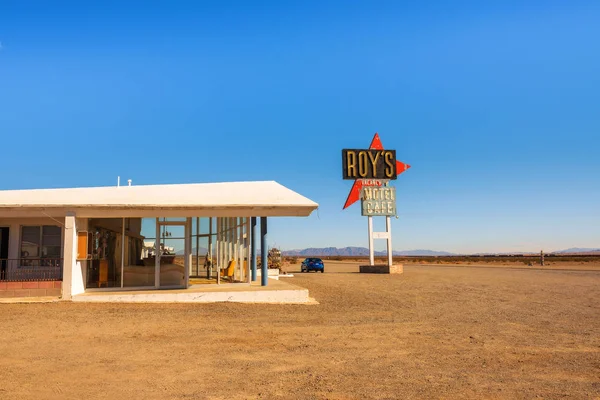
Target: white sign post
379, 201
380, 235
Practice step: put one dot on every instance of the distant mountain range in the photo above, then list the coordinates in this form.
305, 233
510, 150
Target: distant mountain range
357, 252
363, 251
577, 250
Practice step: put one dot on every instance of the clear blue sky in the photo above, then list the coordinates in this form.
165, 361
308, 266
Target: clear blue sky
495, 104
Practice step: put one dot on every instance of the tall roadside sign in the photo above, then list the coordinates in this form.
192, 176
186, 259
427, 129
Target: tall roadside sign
372, 170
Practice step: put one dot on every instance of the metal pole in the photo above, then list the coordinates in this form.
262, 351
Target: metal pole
219, 250
209, 267
263, 252
388, 228
187, 251
253, 247
247, 249
236, 248
371, 250
241, 249
157, 255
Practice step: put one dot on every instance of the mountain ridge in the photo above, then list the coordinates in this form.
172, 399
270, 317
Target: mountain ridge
354, 251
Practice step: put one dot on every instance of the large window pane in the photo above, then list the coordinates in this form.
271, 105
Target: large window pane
51, 242
30, 242
139, 268
172, 261
104, 269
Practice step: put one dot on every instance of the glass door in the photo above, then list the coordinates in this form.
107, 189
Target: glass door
173, 252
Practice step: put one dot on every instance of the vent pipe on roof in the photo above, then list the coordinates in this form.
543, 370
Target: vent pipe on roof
118, 181
128, 182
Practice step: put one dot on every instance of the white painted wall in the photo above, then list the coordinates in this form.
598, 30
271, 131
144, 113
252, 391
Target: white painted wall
78, 276
73, 283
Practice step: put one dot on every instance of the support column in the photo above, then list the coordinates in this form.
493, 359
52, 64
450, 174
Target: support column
264, 271
253, 247
210, 248
241, 254
236, 249
70, 259
187, 251
247, 249
371, 249
388, 228
219, 249
157, 255
197, 247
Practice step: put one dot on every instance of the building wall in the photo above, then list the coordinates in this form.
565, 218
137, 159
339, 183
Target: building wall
78, 276
30, 289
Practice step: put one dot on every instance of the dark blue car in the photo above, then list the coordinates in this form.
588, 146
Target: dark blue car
312, 264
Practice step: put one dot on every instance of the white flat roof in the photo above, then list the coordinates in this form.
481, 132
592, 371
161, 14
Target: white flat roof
263, 198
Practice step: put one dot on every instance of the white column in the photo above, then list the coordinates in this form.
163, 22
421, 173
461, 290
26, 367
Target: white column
157, 256
388, 228
247, 250
82, 225
188, 251
72, 281
371, 250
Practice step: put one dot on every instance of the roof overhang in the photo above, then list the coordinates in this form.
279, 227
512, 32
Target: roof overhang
229, 199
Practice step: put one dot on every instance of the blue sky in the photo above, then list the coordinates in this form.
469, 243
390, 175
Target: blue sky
494, 104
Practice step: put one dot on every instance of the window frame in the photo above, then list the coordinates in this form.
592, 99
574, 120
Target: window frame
23, 260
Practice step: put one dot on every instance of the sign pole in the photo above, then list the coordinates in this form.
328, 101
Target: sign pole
371, 250
388, 228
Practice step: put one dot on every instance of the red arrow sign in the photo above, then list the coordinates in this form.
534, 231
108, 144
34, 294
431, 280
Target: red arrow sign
354, 194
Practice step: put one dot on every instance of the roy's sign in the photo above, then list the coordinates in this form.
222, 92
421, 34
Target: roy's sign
369, 164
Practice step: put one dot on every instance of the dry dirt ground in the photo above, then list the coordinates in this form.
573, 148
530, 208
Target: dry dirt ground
433, 332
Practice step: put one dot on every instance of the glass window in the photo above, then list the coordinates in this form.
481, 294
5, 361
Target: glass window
51, 242
139, 263
30, 242
39, 243
104, 268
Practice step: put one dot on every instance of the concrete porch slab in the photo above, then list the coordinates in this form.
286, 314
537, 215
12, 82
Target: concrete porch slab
276, 292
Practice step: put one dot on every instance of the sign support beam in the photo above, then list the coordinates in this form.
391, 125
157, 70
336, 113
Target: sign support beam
387, 235
388, 228
371, 249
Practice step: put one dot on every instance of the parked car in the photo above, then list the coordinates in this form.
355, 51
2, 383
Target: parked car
312, 264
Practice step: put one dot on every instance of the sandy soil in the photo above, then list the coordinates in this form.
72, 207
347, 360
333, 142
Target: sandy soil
433, 332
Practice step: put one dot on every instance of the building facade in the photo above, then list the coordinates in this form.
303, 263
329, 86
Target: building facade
137, 237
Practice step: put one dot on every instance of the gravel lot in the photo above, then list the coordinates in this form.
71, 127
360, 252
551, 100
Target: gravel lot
433, 332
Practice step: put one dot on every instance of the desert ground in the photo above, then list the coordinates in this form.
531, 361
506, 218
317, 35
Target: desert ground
432, 332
